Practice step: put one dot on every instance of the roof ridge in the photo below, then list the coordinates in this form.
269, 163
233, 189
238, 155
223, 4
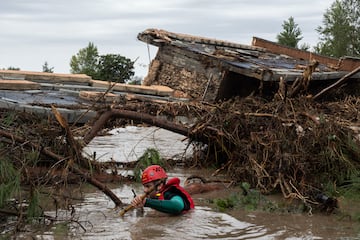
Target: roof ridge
171, 36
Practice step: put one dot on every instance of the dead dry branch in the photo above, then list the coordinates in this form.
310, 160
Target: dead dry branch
337, 83
291, 146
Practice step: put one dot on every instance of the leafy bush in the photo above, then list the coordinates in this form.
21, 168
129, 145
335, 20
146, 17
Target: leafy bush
151, 156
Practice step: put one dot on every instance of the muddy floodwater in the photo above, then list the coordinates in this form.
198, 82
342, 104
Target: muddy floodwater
99, 220
96, 217
128, 144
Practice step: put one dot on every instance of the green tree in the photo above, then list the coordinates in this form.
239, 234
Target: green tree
115, 68
46, 68
291, 35
340, 34
352, 8
85, 61
13, 68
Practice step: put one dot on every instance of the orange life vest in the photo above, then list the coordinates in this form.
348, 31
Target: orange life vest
173, 186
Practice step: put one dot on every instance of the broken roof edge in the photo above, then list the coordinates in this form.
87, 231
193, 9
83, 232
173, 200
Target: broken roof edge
158, 37
277, 48
344, 63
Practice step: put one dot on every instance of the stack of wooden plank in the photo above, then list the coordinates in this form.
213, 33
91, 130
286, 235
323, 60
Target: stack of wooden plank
140, 89
18, 85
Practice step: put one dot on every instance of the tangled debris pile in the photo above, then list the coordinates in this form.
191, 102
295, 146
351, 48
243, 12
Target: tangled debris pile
294, 145
297, 146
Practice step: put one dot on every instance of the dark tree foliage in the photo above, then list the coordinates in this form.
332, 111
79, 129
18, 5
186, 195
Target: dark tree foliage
109, 67
13, 68
339, 35
115, 68
85, 61
291, 35
46, 68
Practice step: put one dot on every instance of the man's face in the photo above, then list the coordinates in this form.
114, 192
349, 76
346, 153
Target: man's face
151, 189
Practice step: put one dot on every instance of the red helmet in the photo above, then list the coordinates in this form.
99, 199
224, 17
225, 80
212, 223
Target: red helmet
152, 173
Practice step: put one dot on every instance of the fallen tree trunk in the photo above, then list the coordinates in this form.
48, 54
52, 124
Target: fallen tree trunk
137, 116
97, 126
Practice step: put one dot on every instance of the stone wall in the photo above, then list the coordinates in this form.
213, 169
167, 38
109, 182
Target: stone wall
185, 71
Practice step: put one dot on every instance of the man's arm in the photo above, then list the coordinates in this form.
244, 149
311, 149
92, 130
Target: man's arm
173, 206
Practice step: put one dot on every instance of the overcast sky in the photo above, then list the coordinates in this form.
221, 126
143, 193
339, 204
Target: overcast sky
33, 32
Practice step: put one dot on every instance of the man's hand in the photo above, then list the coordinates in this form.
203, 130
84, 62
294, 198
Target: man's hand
138, 201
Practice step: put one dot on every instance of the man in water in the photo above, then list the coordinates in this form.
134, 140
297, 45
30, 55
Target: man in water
162, 195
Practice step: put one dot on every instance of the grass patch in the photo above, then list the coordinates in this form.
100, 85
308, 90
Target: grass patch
61, 229
247, 199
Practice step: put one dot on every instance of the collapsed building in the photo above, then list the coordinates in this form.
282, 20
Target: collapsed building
186, 68
211, 70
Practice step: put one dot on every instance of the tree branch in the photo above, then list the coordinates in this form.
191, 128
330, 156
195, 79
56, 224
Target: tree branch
339, 82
